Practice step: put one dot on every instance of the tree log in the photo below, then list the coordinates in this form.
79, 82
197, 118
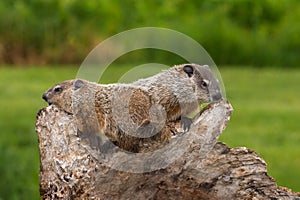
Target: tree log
192, 166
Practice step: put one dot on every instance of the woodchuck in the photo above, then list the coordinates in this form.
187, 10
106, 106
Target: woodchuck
136, 115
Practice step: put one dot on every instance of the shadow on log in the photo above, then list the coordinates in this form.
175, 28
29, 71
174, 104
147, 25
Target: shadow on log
193, 166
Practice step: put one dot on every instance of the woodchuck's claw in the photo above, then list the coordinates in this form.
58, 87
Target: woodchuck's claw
186, 123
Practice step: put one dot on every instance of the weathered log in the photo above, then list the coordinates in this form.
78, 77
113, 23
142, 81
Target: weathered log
193, 166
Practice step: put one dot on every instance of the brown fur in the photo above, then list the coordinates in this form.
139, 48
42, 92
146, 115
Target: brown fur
143, 112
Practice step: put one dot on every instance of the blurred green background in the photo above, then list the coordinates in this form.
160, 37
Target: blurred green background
255, 44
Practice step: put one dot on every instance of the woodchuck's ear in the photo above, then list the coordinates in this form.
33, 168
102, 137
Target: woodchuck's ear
78, 84
189, 70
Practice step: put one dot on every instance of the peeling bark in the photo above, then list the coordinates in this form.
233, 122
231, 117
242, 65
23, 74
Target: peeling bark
193, 166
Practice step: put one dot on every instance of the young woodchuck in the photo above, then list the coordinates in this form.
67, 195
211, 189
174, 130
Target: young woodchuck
134, 114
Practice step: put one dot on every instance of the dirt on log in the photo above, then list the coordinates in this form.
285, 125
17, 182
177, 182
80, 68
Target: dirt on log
193, 166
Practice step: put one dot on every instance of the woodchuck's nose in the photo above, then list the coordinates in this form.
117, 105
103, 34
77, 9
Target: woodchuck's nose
45, 97
216, 97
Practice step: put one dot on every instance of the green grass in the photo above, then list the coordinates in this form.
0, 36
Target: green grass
266, 119
20, 101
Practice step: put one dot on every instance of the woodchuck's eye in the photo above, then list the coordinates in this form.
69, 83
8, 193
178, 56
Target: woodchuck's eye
204, 83
189, 70
57, 89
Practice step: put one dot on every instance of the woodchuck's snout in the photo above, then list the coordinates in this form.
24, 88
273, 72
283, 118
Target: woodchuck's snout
45, 97
215, 92
56, 92
216, 97
212, 84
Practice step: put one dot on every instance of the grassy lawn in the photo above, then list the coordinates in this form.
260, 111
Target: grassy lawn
266, 119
